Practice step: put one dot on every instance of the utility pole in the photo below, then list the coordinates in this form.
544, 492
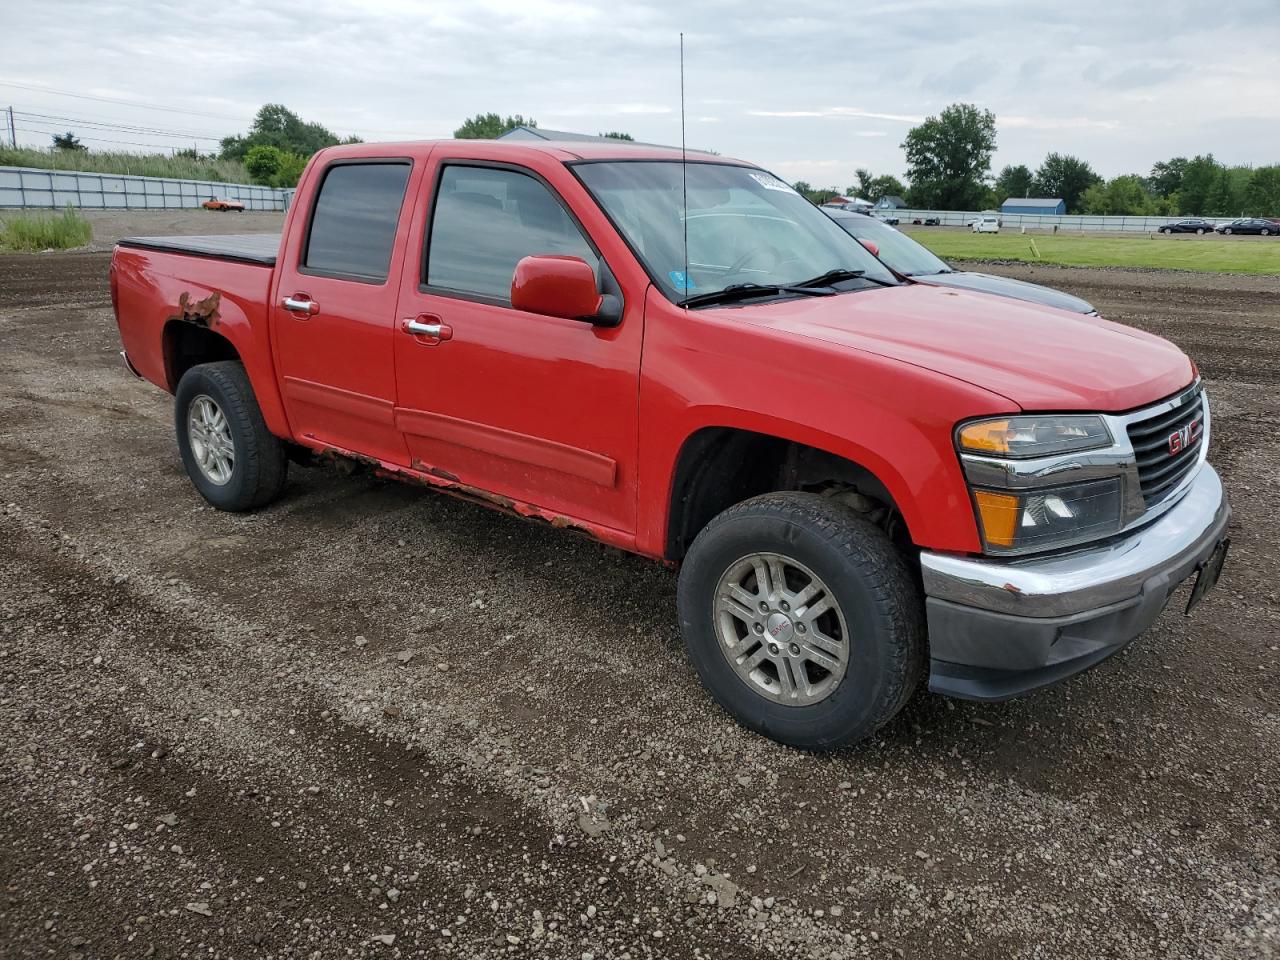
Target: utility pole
13, 133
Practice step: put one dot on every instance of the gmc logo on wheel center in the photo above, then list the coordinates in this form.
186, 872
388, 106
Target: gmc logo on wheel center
1184, 437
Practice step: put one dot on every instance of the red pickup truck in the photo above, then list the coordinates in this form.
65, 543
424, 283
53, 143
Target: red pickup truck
863, 480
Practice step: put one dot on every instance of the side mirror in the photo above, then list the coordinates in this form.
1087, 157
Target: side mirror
560, 286
871, 247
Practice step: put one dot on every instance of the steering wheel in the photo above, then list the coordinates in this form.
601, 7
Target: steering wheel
740, 264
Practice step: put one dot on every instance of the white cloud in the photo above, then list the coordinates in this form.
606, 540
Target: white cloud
1092, 78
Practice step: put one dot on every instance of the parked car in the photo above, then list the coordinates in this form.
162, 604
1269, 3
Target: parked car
863, 481
1196, 225
985, 225
1253, 225
218, 203
908, 258
888, 218
928, 221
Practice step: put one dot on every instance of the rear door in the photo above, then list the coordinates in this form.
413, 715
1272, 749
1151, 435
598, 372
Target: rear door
533, 408
335, 307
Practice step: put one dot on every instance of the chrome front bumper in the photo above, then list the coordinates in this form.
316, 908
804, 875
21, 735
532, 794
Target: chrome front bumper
1001, 628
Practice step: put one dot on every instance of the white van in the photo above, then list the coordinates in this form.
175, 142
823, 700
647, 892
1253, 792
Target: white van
985, 225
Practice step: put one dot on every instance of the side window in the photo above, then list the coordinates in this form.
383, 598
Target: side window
353, 225
486, 220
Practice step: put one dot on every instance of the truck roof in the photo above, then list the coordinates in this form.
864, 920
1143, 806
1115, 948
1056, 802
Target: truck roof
513, 150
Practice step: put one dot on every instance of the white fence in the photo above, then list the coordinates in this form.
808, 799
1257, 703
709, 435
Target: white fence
29, 187
1043, 221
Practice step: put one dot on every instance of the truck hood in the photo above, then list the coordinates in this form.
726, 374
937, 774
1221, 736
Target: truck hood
1037, 357
1007, 287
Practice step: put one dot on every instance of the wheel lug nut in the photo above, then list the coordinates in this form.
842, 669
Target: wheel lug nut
758, 628
801, 628
773, 648
764, 607
784, 605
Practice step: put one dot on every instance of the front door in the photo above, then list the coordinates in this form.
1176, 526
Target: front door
533, 408
334, 312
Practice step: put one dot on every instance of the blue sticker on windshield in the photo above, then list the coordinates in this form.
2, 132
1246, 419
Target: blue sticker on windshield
681, 281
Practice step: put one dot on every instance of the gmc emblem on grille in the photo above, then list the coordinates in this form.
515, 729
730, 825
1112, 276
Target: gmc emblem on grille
1185, 436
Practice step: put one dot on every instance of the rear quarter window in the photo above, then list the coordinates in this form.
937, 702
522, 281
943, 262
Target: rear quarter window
353, 222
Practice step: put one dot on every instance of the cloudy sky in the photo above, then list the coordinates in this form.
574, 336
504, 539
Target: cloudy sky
812, 90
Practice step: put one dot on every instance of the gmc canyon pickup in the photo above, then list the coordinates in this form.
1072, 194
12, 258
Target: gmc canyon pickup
863, 480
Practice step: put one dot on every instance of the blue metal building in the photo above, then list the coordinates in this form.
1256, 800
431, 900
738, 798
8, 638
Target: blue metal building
1033, 205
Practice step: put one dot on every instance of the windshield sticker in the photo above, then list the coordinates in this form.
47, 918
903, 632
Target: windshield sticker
681, 281
770, 182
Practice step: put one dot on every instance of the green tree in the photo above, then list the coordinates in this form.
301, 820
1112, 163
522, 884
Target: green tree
884, 185
863, 186
1166, 176
614, 135
289, 171
1124, 196
1066, 178
1221, 199
490, 126
1262, 195
67, 141
1013, 182
277, 126
263, 163
1198, 178
949, 158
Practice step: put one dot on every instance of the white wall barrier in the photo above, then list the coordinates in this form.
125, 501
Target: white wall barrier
1044, 221
27, 187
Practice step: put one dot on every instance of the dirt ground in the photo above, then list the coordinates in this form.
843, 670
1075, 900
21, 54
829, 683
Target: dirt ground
371, 721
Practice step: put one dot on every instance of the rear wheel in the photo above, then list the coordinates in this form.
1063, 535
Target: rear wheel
232, 458
1226, 230
1199, 231
802, 619
1165, 230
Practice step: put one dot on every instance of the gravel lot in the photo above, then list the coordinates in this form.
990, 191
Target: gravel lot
371, 721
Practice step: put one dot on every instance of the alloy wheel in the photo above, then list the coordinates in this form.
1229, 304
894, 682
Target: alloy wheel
210, 436
781, 629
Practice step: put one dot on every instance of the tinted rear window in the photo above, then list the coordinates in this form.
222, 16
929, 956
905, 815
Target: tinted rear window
353, 227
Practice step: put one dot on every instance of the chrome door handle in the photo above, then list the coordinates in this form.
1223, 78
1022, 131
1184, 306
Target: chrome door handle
437, 331
309, 307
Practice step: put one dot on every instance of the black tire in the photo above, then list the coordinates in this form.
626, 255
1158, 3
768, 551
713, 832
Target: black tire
260, 465
1265, 232
1165, 230
1226, 230
1199, 231
880, 600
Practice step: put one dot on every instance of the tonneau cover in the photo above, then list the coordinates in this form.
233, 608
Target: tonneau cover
260, 248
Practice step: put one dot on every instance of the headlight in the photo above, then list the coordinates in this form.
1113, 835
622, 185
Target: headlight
1030, 520
1034, 436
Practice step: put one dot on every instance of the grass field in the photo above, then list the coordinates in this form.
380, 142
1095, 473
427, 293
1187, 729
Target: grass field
45, 231
1210, 254
137, 164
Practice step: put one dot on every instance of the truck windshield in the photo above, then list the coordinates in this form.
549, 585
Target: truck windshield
747, 229
896, 249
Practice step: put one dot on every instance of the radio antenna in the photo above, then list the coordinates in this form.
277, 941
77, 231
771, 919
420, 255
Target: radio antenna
684, 180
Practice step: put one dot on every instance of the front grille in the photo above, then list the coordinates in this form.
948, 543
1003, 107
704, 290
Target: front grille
1160, 468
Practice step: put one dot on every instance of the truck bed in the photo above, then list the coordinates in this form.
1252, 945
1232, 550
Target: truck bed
255, 248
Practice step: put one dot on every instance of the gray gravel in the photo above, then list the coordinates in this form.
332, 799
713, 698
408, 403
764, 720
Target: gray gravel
369, 721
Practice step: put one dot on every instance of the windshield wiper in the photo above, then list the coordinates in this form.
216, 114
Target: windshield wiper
830, 277
745, 291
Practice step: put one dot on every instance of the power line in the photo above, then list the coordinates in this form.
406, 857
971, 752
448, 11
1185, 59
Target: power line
120, 143
54, 120
128, 103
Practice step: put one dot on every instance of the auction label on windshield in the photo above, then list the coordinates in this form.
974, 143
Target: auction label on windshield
770, 182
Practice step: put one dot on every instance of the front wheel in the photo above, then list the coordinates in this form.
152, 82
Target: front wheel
1265, 232
232, 458
1199, 231
802, 619
1165, 230
1227, 231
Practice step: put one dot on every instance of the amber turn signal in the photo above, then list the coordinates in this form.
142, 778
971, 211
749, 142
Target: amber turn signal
999, 514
